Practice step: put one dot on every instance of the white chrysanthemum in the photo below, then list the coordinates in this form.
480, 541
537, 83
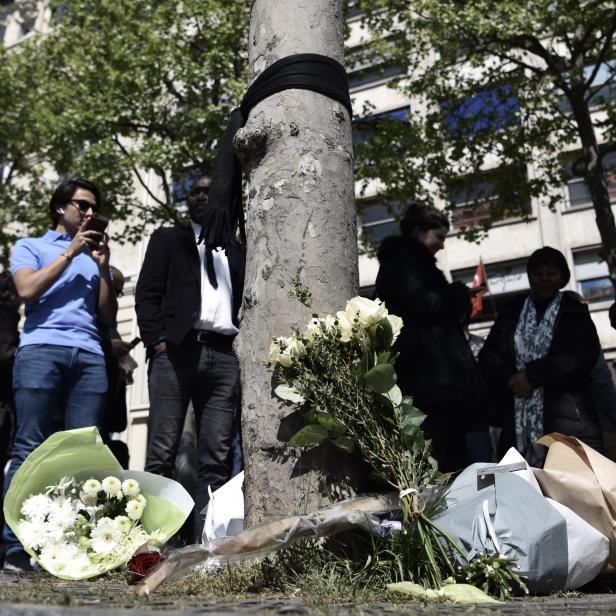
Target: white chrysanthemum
54, 529
51, 555
105, 537
63, 511
91, 487
36, 507
112, 487
142, 499
32, 534
124, 523
130, 487
134, 509
80, 566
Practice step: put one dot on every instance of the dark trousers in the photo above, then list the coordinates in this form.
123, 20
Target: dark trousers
207, 375
446, 426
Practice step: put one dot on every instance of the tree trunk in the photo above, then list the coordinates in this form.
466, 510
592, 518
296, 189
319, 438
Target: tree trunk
301, 226
594, 175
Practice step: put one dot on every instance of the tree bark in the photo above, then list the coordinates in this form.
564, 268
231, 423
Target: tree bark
594, 176
301, 225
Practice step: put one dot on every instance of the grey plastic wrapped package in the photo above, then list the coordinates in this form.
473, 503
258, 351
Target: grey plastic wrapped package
502, 513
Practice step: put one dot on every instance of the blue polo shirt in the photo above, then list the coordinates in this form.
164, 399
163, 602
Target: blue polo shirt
66, 313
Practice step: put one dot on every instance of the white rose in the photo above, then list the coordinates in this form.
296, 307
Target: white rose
396, 325
345, 326
313, 330
286, 351
369, 312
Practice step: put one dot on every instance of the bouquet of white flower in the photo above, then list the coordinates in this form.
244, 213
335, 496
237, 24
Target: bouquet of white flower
79, 514
340, 371
78, 528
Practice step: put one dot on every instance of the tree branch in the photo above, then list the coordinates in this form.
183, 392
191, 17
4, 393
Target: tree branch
607, 43
137, 173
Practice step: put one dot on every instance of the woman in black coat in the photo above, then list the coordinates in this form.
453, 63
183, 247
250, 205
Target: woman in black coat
547, 389
435, 364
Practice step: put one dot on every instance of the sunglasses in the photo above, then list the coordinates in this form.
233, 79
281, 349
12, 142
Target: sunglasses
84, 205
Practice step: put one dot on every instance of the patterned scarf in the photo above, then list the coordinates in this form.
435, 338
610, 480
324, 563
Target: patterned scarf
532, 341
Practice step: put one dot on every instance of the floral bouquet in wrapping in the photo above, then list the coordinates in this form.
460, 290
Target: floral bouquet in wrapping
79, 514
340, 370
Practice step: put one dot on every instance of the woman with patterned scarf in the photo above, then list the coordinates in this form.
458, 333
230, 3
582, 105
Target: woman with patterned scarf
537, 362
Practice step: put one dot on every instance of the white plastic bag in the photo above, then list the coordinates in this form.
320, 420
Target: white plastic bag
225, 511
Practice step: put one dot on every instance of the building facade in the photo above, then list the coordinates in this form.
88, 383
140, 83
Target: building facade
571, 227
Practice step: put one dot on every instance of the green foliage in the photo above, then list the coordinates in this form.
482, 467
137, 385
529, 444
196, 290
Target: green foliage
128, 93
524, 59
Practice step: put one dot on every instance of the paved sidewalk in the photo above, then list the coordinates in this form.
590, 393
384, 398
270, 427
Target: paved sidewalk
95, 599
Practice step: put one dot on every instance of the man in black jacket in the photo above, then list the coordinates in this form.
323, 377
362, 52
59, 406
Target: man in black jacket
187, 301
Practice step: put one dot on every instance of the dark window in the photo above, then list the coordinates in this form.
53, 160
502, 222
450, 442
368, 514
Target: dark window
473, 200
577, 193
592, 276
491, 110
366, 66
352, 10
364, 129
378, 219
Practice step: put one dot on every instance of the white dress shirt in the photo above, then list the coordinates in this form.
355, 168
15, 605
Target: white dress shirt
216, 304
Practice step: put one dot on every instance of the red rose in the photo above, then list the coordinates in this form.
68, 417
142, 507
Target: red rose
143, 563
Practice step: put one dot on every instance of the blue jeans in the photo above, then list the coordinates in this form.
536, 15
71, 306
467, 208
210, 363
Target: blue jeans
51, 381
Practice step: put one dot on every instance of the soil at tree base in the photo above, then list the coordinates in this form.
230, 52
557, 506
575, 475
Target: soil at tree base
39, 594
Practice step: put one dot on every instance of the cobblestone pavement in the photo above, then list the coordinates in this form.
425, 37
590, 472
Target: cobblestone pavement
87, 599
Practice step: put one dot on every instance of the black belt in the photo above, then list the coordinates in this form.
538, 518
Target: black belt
213, 339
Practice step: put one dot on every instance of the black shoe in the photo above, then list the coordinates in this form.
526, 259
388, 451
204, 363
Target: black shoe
19, 562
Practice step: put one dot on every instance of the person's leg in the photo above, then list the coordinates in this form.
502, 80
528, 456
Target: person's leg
39, 378
87, 391
215, 401
445, 426
169, 381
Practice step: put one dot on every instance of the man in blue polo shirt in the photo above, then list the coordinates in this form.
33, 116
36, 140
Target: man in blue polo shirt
64, 280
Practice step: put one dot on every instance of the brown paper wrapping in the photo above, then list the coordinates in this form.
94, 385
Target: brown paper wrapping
582, 479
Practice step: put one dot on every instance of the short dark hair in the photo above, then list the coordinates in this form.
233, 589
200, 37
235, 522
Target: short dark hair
552, 258
422, 217
65, 191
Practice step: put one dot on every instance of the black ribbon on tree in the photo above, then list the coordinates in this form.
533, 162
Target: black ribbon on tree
306, 71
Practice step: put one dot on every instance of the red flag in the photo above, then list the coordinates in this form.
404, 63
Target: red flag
479, 280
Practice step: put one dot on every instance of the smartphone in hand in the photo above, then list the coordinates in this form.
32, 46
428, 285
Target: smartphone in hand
97, 223
134, 342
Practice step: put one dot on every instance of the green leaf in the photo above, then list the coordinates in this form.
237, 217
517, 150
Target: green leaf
381, 378
333, 426
313, 434
395, 395
345, 443
385, 357
384, 335
289, 393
